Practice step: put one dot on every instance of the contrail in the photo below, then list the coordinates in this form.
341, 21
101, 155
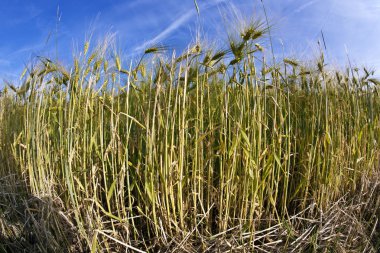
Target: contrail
174, 26
303, 6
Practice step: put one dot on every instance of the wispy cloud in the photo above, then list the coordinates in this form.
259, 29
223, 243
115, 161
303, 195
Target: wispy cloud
27, 49
142, 23
302, 7
353, 9
25, 14
172, 27
4, 62
176, 24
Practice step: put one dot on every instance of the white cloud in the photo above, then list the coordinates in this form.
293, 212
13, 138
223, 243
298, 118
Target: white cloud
354, 9
299, 9
172, 27
176, 24
4, 62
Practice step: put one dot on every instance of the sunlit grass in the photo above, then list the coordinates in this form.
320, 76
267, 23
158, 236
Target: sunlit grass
185, 151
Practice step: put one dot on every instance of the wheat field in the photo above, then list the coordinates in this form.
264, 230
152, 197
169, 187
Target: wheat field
209, 150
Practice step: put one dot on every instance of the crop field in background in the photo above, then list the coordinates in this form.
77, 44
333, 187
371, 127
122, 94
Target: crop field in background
211, 150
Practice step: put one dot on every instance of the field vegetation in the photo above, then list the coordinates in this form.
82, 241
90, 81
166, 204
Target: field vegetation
213, 150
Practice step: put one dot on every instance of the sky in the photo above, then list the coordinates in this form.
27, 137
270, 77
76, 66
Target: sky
59, 28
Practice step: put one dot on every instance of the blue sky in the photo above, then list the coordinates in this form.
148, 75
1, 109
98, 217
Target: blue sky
57, 28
